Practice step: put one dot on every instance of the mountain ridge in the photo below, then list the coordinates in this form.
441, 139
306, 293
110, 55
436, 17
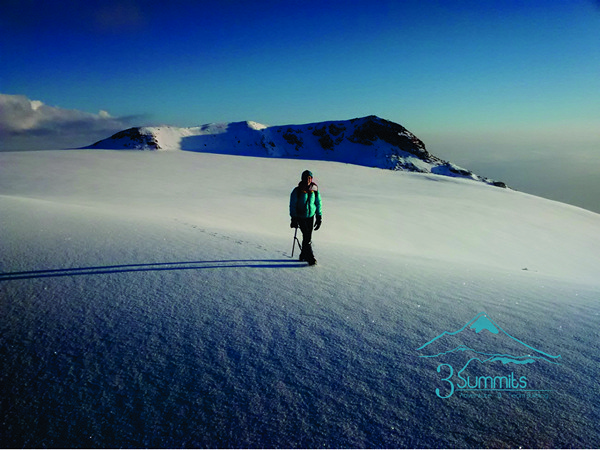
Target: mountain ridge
368, 141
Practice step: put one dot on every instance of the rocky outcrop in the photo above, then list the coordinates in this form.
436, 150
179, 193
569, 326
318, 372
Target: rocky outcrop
372, 128
132, 138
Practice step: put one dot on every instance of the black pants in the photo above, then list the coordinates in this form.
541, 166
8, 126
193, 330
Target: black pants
306, 226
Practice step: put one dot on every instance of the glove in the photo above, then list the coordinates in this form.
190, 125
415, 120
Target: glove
318, 223
294, 223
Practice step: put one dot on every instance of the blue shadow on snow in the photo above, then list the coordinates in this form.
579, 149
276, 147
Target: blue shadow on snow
154, 267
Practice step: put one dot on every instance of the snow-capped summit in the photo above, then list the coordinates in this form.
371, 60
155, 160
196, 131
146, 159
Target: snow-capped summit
368, 141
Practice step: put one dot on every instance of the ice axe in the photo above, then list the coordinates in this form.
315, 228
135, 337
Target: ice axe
294, 242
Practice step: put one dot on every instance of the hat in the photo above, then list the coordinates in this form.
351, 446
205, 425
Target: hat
306, 174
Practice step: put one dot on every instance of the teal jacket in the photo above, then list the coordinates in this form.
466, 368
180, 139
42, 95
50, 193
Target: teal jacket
305, 202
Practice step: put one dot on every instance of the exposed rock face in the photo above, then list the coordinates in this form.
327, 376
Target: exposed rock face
374, 128
293, 139
368, 141
135, 138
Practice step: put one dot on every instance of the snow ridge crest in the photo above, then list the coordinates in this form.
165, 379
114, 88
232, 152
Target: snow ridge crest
368, 141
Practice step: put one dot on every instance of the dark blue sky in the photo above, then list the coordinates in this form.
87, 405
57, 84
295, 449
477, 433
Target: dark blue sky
459, 74
465, 63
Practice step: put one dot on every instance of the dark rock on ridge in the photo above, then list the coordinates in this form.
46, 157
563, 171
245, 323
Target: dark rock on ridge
368, 141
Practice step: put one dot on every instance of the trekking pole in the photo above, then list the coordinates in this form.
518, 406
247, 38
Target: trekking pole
294, 242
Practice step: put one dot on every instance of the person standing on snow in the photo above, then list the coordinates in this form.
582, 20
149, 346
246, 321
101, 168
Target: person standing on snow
305, 205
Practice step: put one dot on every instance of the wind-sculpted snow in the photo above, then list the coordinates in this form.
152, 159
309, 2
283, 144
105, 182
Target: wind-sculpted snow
149, 300
369, 141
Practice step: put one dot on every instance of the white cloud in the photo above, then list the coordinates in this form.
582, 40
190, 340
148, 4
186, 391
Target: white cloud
31, 125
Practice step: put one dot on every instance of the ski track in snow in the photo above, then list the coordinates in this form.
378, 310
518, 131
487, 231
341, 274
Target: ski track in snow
149, 300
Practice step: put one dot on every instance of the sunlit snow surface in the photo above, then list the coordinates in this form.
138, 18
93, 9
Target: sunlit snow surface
149, 300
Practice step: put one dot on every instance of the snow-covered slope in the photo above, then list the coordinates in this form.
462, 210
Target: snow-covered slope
368, 141
148, 299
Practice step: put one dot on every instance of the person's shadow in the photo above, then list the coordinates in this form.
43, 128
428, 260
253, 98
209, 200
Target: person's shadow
154, 267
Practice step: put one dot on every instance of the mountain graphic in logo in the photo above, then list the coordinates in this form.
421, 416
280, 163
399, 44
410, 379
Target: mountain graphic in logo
483, 340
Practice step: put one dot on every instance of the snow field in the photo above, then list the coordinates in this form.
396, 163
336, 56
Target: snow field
148, 299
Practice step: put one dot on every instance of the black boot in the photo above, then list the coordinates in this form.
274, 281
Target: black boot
307, 255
